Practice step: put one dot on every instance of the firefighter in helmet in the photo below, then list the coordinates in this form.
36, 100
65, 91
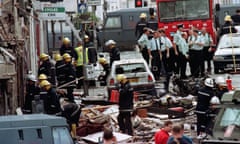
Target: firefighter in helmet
125, 104
204, 97
70, 76
66, 47
142, 23
47, 67
59, 66
114, 51
51, 102
103, 77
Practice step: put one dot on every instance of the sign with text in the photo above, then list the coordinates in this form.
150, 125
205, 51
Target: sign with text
53, 13
93, 2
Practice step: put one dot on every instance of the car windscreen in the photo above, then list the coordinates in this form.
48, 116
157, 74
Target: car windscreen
130, 68
229, 41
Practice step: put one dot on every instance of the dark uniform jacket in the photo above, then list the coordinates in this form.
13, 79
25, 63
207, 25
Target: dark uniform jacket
31, 92
152, 23
225, 29
139, 27
51, 101
125, 96
114, 55
69, 50
92, 53
203, 100
48, 69
70, 74
71, 112
236, 19
59, 66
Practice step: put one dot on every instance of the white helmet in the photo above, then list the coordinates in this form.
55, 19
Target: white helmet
220, 80
31, 77
109, 42
214, 100
209, 82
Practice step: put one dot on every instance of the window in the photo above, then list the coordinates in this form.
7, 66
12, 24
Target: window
231, 116
61, 136
131, 68
113, 22
183, 10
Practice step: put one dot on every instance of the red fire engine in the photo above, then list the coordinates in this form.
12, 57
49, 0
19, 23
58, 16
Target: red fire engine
190, 13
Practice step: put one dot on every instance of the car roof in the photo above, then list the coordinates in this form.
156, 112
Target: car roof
126, 61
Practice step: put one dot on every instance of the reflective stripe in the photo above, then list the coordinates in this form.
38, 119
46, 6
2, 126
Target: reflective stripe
203, 93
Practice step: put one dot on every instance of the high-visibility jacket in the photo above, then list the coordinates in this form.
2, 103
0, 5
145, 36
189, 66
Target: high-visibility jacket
79, 51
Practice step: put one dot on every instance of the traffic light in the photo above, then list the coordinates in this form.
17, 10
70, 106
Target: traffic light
138, 3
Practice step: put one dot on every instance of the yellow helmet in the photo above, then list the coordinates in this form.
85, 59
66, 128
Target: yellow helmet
67, 57
121, 77
43, 57
66, 41
58, 57
44, 83
42, 77
227, 18
102, 60
143, 15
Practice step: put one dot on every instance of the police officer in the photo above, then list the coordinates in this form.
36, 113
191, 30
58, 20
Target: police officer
177, 40
50, 99
207, 49
143, 42
59, 66
228, 26
47, 68
31, 91
155, 55
67, 48
70, 76
79, 63
114, 51
203, 102
106, 69
142, 23
125, 104
196, 54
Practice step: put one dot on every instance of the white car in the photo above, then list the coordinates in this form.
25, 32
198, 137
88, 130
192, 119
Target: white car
227, 55
136, 71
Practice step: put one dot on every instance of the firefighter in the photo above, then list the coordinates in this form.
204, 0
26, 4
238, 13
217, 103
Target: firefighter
79, 63
228, 26
143, 42
125, 104
59, 66
71, 111
31, 91
203, 103
154, 53
152, 21
106, 69
92, 53
50, 99
142, 23
47, 68
66, 47
114, 51
70, 76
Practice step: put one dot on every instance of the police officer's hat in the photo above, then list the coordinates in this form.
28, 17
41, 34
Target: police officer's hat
179, 26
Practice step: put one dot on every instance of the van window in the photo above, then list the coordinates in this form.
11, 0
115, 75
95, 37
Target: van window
61, 136
113, 22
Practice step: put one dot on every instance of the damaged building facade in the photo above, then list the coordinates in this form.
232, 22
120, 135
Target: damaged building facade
19, 43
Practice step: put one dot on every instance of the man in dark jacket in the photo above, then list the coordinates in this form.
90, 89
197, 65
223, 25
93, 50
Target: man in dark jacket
50, 98
203, 102
114, 51
47, 68
103, 77
142, 23
59, 66
236, 17
125, 104
228, 26
70, 76
152, 21
67, 48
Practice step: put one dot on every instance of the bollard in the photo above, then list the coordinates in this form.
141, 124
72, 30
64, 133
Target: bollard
229, 83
